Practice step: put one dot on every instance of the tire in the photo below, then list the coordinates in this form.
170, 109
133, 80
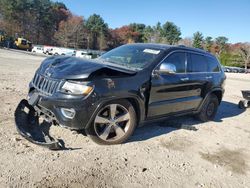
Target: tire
243, 104
108, 129
209, 109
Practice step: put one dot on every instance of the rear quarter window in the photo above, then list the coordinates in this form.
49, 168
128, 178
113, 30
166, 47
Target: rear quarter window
213, 64
197, 63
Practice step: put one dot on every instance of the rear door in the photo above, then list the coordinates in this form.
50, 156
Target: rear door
214, 75
197, 68
171, 93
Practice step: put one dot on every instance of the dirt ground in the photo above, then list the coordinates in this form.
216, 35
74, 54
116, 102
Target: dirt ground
181, 152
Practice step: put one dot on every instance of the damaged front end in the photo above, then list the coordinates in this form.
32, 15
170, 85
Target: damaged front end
67, 92
28, 126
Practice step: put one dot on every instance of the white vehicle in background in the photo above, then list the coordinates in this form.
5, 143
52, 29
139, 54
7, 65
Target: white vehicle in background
37, 49
63, 51
84, 54
47, 50
56, 51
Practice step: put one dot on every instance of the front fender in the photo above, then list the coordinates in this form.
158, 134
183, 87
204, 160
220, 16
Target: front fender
139, 101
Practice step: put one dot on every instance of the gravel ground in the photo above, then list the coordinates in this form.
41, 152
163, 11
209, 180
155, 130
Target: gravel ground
180, 152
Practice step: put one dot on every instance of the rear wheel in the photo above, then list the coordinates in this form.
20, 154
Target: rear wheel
209, 108
113, 124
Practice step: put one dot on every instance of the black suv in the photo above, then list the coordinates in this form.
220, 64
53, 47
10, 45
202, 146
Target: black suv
109, 96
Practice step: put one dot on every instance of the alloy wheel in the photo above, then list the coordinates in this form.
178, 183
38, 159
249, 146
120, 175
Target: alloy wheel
112, 122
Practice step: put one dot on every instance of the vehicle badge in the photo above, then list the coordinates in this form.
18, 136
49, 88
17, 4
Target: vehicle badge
47, 72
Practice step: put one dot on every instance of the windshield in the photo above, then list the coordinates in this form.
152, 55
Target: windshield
131, 56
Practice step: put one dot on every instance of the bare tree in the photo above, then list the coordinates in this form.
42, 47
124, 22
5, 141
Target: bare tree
186, 42
70, 32
245, 54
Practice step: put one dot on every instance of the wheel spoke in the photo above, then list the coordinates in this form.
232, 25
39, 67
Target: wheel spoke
123, 117
112, 122
119, 131
105, 133
113, 110
102, 120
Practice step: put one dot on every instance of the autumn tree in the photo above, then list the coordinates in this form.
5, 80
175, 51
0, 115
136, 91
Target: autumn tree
126, 34
13, 15
113, 39
60, 13
198, 40
71, 32
47, 17
36, 20
171, 33
140, 30
221, 44
208, 43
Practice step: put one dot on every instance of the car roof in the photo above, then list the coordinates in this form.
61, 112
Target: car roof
152, 45
171, 47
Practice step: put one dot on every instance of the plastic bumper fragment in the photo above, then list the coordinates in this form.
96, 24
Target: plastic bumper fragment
28, 126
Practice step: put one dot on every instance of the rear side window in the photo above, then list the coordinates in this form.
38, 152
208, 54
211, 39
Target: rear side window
213, 65
179, 60
197, 63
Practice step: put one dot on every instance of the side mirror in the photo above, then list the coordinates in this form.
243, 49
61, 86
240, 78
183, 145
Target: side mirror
167, 68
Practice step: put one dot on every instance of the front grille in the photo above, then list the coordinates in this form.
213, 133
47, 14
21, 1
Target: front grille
45, 85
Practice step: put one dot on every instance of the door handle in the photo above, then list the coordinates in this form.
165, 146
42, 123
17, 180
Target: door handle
184, 79
209, 77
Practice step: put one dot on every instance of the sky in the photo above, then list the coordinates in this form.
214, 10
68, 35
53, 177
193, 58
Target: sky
230, 18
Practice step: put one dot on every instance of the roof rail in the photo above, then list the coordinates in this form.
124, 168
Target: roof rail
181, 45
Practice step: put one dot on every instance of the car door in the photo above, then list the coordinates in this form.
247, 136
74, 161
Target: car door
197, 70
171, 92
214, 76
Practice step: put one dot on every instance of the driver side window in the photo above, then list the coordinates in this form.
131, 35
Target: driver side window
178, 59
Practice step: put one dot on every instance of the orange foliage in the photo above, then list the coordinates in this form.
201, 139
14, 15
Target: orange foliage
125, 34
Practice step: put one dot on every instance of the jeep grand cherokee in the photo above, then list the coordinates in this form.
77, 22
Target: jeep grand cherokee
108, 97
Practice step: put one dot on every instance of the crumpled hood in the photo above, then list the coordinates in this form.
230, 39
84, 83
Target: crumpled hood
59, 67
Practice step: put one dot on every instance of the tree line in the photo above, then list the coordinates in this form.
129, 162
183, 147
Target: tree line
51, 23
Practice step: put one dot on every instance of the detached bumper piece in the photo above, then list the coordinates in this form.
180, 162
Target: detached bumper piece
27, 124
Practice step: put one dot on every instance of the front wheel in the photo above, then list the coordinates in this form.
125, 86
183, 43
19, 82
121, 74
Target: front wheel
209, 108
114, 123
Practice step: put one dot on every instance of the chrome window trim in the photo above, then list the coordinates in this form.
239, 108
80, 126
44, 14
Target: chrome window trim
186, 54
